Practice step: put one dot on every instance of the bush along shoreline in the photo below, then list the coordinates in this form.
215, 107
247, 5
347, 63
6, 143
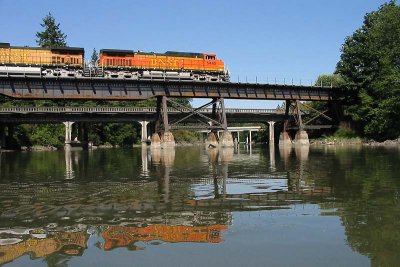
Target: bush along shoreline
353, 141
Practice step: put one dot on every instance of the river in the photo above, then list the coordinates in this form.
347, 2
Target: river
190, 206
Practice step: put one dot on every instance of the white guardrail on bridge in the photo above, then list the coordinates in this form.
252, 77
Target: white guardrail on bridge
127, 110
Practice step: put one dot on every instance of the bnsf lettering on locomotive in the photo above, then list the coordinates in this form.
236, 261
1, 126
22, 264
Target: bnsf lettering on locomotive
166, 63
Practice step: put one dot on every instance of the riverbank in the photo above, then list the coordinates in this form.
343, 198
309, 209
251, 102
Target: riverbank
353, 141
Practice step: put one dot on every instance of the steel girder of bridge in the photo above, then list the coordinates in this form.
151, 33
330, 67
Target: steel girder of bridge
115, 89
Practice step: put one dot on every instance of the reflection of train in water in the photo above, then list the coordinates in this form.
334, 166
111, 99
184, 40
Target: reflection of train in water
40, 243
113, 64
72, 244
122, 236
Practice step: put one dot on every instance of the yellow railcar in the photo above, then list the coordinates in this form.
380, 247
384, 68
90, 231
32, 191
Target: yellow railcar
53, 60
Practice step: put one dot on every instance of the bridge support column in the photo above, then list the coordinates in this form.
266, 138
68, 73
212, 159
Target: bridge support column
165, 137
301, 137
236, 140
226, 139
68, 134
284, 138
271, 133
155, 140
2, 136
83, 135
144, 132
212, 139
272, 155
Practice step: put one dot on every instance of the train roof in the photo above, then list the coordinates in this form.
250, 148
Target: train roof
4, 45
183, 54
60, 49
67, 49
117, 52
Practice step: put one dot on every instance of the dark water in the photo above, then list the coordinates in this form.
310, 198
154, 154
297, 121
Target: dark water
192, 207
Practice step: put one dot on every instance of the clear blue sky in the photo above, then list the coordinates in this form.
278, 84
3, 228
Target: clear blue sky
264, 38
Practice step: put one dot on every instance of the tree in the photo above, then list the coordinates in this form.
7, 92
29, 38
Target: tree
370, 67
51, 35
334, 80
95, 57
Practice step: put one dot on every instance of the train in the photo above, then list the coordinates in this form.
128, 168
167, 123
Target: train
112, 64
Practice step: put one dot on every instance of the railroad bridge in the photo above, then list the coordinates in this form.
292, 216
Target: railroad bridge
56, 88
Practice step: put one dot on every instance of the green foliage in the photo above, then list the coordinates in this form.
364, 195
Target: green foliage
344, 133
183, 101
370, 66
95, 57
48, 134
51, 35
120, 134
186, 136
334, 80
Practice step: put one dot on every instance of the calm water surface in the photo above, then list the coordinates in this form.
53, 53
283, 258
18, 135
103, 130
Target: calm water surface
189, 206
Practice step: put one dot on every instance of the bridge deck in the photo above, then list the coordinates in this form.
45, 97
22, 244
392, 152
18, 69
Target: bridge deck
114, 89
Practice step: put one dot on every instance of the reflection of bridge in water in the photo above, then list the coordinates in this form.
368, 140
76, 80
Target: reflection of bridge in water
146, 210
103, 201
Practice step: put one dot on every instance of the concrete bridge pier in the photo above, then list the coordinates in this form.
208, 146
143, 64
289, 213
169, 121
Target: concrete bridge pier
144, 132
236, 138
83, 135
271, 133
301, 138
250, 138
155, 140
68, 134
272, 156
284, 139
226, 139
2, 136
165, 137
212, 139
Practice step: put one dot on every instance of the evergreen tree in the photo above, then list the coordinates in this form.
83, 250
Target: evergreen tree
95, 57
51, 35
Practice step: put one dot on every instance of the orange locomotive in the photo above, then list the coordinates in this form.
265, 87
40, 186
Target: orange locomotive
128, 64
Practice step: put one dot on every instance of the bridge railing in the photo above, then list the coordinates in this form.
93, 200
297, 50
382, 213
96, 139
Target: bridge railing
126, 110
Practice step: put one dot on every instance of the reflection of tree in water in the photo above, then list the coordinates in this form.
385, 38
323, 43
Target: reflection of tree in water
367, 191
371, 213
